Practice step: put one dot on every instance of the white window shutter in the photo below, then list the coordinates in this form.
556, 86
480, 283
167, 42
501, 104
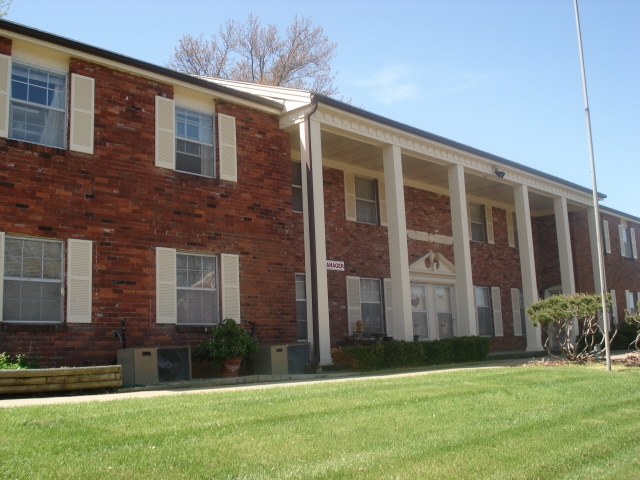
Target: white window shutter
5, 94
1, 273
350, 196
620, 233
82, 113
510, 232
515, 308
79, 274
607, 239
497, 311
166, 294
231, 286
354, 312
388, 305
614, 305
634, 249
165, 133
228, 148
382, 194
488, 216
629, 299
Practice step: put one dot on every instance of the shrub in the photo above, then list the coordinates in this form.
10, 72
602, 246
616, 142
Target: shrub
19, 362
401, 354
227, 340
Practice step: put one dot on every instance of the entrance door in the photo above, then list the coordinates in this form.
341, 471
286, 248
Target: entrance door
419, 310
444, 311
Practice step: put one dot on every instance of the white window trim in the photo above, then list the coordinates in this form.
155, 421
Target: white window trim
38, 105
198, 142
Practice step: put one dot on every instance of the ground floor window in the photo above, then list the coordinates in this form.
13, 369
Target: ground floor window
301, 307
371, 305
483, 311
33, 273
197, 292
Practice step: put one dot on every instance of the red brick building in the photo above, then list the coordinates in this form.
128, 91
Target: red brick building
132, 193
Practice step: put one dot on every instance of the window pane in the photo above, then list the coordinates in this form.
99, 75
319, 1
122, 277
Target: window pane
477, 232
31, 268
296, 173
13, 266
365, 188
196, 293
366, 212
476, 213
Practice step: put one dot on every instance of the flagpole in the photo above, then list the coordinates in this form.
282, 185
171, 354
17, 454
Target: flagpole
596, 207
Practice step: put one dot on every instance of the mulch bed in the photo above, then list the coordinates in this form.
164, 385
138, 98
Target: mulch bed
630, 360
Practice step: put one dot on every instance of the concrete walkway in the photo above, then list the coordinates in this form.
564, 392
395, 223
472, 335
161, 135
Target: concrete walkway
246, 383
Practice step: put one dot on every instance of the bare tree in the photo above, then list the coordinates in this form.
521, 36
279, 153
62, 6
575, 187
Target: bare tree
252, 53
4, 7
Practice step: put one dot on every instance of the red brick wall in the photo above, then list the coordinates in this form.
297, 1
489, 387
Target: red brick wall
5, 46
123, 203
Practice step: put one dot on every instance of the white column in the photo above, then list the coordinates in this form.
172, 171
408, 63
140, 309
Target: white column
320, 253
398, 251
466, 321
593, 242
564, 252
564, 245
527, 262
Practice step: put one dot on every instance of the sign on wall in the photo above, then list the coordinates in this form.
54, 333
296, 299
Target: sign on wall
335, 265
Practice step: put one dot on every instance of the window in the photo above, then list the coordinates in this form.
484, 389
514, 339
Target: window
32, 280
523, 318
38, 106
366, 206
371, 305
632, 302
296, 185
476, 220
301, 307
625, 242
194, 142
197, 292
483, 309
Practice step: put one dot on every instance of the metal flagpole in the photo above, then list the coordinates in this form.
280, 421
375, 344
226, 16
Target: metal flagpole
596, 207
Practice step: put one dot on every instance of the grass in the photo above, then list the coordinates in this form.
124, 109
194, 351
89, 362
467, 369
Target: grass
512, 423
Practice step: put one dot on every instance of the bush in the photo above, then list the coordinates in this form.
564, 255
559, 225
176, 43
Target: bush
227, 340
19, 362
401, 354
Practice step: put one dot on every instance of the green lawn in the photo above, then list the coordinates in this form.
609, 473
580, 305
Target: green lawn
546, 423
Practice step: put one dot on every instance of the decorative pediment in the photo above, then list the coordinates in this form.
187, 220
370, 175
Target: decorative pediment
433, 263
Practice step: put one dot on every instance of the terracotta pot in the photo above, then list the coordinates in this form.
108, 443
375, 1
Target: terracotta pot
231, 367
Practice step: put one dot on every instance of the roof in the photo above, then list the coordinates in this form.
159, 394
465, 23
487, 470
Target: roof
132, 62
445, 141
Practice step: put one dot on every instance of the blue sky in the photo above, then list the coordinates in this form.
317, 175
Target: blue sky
499, 75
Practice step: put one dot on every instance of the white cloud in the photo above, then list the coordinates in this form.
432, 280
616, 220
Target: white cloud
391, 84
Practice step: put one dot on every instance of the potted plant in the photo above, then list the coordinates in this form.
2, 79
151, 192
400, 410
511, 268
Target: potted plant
228, 345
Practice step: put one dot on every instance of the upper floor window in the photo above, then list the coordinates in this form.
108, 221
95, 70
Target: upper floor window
32, 280
194, 142
366, 203
37, 111
476, 220
197, 292
296, 186
628, 247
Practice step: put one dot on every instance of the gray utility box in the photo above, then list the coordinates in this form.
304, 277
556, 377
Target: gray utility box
285, 359
151, 365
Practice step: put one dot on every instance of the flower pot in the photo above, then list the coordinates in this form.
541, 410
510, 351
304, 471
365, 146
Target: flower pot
231, 367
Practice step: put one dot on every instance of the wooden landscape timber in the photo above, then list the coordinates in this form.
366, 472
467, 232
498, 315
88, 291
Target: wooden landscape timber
59, 379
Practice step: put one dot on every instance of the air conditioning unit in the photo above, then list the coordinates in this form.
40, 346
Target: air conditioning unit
286, 359
151, 365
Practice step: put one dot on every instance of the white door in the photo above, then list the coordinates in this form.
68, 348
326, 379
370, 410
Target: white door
444, 311
419, 310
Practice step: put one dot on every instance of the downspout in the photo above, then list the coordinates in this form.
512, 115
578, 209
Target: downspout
312, 237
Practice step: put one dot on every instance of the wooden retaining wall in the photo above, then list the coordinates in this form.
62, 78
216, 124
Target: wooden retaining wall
59, 379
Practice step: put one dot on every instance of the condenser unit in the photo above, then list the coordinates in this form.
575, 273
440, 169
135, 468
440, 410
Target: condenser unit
151, 365
285, 359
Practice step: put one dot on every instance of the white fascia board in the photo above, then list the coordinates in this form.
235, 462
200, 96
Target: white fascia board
139, 71
291, 98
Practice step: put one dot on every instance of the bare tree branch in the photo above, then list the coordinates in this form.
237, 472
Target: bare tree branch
4, 7
250, 52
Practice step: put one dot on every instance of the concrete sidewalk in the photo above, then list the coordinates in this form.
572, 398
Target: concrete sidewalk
252, 382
